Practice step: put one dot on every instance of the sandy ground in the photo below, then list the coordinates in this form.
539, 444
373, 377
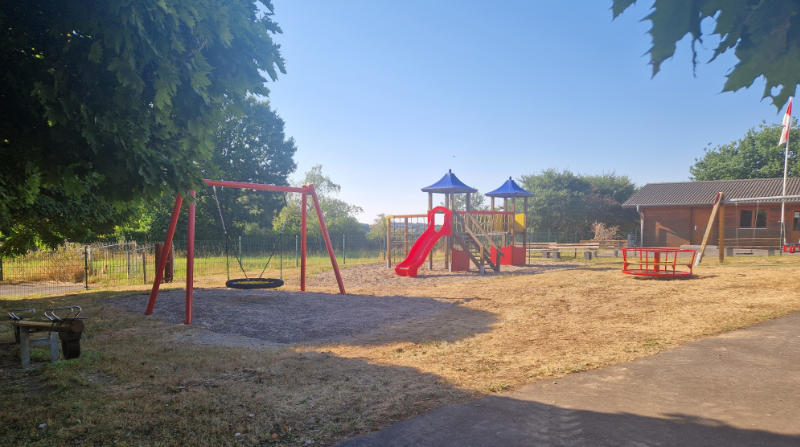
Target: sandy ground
378, 301
377, 279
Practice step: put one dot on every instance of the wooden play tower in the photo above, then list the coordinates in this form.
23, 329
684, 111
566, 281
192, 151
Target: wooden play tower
479, 238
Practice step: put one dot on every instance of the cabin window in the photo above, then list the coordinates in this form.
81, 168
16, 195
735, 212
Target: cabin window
796, 221
746, 219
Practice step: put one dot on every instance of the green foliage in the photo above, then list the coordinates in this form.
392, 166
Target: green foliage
756, 155
250, 147
477, 202
339, 215
114, 101
377, 231
565, 202
56, 215
764, 35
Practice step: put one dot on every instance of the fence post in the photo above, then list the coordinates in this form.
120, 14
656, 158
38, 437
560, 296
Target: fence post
127, 264
86, 266
144, 265
240, 249
1, 269
296, 250
344, 252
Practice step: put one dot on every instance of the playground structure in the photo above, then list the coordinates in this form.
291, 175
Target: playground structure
662, 261
305, 191
422, 247
480, 238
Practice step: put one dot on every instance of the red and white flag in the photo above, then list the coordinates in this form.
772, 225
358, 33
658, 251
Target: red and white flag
787, 123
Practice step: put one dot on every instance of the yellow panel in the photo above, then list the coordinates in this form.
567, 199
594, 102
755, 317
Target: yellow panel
519, 222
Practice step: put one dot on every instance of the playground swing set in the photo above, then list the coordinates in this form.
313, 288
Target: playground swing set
247, 282
305, 191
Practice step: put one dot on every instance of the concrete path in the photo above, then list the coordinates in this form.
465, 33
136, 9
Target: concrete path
737, 389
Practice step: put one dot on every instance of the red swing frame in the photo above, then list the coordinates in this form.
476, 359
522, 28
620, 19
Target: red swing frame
304, 190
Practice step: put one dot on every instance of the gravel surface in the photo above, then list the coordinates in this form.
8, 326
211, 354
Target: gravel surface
377, 300
284, 317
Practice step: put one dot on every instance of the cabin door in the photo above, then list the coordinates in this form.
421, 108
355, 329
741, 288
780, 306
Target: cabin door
699, 221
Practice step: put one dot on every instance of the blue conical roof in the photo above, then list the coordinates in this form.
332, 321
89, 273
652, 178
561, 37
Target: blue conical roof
509, 189
449, 184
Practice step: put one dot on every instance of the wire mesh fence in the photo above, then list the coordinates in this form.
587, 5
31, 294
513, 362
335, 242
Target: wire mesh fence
74, 267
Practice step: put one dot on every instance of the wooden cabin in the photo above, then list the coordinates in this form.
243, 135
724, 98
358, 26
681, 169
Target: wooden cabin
676, 214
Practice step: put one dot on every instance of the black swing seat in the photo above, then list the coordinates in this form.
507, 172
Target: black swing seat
254, 283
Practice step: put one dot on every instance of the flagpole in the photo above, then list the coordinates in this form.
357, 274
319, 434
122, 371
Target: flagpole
785, 173
787, 125
783, 194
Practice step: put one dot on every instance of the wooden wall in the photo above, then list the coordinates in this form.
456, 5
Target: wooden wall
676, 226
667, 227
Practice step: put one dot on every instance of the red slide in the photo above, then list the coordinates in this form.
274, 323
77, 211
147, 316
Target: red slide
424, 244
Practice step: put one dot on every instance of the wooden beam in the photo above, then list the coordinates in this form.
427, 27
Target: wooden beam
717, 202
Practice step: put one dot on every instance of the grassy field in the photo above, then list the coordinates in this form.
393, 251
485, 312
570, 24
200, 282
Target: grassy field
141, 381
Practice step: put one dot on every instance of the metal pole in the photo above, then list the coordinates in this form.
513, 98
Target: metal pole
162, 259
783, 200
1, 268
327, 239
85, 267
303, 237
190, 258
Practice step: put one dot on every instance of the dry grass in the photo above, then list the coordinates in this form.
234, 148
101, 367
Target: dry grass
566, 321
141, 381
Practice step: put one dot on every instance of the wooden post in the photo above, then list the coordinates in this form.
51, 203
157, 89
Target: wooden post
24, 346
513, 221
714, 211
721, 232
447, 238
491, 200
388, 241
430, 255
525, 229
405, 236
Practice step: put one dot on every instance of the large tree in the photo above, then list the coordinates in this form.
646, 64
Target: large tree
566, 202
120, 99
764, 35
251, 146
756, 155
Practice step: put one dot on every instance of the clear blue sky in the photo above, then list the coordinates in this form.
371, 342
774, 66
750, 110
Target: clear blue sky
387, 96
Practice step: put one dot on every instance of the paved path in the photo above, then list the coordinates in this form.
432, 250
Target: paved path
737, 389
